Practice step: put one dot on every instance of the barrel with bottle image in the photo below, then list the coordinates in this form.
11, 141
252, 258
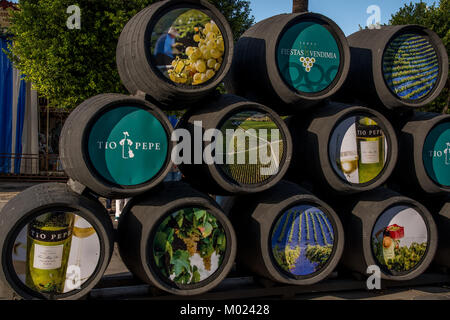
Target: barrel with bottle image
290, 62
410, 69
117, 146
55, 244
250, 145
343, 148
394, 232
424, 157
175, 51
287, 235
177, 239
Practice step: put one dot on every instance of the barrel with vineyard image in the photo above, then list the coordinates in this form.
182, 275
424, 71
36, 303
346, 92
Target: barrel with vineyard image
251, 146
177, 239
290, 62
410, 71
302, 240
175, 51
401, 235
299, 238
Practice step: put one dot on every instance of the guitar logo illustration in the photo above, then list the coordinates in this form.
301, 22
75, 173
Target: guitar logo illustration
447, 154
126, 144
308, 63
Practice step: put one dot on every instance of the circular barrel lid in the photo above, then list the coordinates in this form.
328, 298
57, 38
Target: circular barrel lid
302, 240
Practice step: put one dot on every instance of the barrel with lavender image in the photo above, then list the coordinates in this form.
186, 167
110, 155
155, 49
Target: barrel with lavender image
303, 240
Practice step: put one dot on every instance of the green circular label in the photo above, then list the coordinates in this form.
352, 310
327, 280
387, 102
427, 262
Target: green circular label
436, 154
308, 57
128, 146
410, 67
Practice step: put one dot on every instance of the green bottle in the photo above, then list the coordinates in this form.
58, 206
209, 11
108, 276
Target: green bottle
371, 149
48, 249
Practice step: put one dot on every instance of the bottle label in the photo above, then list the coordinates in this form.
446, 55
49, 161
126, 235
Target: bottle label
368, 131
370, 152
49, 236
47, 257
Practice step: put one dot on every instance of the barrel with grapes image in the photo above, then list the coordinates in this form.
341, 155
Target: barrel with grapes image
302, 240
189, 246
187, 46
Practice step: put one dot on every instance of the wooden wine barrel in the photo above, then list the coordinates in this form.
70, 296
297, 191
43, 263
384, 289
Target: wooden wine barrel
55, 244
117, 146
386, 229
287, 235
290, 61
424, 154
343, 148
252, 157
439, 206
177, 239
176, 51
385, 61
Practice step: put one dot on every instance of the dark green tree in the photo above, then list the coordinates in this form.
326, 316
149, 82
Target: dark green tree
436, 18
69, 66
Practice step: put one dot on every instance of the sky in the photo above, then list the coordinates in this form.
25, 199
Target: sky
348, 14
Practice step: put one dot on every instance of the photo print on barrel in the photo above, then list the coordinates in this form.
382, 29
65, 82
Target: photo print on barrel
400, 239
303, 240
254, 153
308, 57
436, 154
187, 46
189, 246
56, 252
411, 66
358, 149
128, 145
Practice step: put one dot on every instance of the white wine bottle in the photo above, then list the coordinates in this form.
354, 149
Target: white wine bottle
48, 249
371, 149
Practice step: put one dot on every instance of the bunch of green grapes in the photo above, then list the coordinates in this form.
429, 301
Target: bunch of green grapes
203, 61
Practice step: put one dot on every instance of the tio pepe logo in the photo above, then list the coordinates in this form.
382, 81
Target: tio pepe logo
128, 146
439, 154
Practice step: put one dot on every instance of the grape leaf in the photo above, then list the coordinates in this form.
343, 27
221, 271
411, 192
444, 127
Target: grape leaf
180, 261
200, 214
207, 230
195, 275
160, 241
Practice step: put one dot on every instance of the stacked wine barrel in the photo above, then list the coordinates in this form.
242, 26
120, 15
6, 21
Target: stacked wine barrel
56, 240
